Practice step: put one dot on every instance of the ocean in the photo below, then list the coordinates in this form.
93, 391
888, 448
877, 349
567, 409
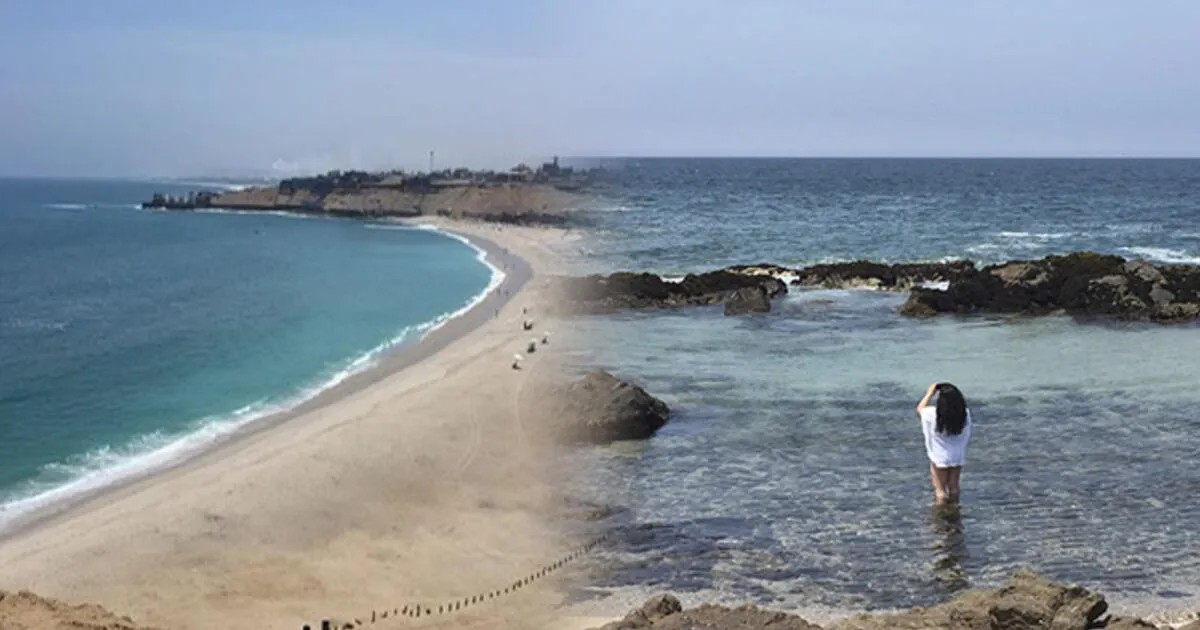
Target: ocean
792, 473
130, 339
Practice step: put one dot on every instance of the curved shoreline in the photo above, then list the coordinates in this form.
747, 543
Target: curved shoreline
513, 273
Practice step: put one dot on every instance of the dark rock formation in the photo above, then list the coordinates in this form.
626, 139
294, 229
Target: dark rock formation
1027, 602
601, 408
748, 300
624, 290
867, 274
1083, 283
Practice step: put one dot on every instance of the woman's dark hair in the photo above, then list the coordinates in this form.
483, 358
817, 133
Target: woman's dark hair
951, 410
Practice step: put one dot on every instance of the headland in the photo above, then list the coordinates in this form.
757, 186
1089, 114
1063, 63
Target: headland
523, 195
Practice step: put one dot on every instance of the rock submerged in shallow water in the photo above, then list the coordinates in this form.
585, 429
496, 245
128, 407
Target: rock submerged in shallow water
601, 408
1027, 602
664, 612
748, 300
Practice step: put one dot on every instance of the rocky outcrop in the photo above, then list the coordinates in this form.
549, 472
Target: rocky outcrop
601, 408
665, 613
27, 611
1027, 602
752, 299
526, 204
862, 274
1082, 283
623, 290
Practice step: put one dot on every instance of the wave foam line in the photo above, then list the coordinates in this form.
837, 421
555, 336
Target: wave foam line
154, 452
272, 213
497, 276
1163, 254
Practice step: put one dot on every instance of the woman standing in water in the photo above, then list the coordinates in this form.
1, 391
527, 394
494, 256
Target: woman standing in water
947, 428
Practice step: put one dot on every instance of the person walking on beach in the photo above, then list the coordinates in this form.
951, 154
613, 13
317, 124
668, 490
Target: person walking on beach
947, 429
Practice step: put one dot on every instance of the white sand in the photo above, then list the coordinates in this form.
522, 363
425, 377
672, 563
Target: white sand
413, 483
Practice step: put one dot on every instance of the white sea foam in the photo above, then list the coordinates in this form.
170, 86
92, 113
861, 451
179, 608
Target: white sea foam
34, 323
218, 185
1163, 254
157, 451
273, 213
497, 276
1041, 236
66, 206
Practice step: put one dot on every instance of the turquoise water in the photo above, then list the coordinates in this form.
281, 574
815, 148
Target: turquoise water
793, 472
129, 337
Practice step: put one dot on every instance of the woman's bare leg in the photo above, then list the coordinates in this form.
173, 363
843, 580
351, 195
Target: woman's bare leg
939, 478
955, 474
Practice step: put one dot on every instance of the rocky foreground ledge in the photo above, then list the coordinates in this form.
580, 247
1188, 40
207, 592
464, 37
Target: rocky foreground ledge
1082, 283
1027, 602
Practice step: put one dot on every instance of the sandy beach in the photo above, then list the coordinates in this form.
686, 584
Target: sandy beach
415, 481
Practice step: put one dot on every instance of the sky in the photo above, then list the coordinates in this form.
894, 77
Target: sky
184, 88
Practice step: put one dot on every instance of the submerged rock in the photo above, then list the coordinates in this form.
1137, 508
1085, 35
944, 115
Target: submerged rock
748, 300
601, 408
666, 613
1027, 602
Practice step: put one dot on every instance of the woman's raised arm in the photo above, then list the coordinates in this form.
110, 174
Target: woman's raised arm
925, 401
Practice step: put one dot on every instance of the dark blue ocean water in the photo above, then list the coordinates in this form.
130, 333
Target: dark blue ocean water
129, 337
793, 472
675, 216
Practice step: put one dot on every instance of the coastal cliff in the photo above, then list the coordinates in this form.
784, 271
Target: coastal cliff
522, 195
518, 204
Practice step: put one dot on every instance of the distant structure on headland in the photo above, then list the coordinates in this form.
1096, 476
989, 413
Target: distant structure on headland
520, 193
548, 174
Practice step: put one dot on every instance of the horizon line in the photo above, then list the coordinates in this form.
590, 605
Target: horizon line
112, 176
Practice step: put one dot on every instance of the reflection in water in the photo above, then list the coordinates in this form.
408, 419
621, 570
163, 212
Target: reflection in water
949, 547
793, 445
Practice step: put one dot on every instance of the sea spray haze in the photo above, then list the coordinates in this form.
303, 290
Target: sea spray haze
128, 338
793, 470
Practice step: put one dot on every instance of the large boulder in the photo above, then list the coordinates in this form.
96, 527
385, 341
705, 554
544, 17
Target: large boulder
601, 408
748, 300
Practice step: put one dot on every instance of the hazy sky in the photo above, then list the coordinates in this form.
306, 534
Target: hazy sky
178, 87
